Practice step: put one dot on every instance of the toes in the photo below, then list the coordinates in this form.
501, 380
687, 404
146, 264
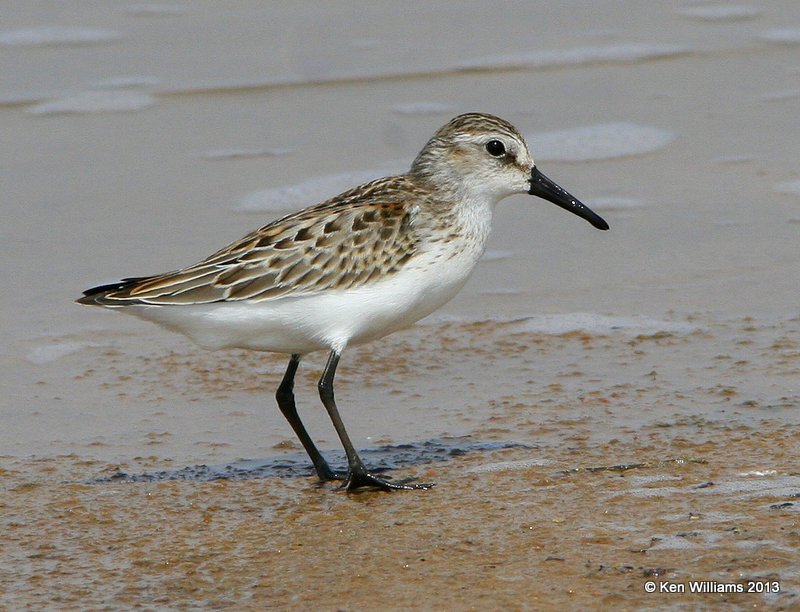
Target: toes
327, 475
358, 479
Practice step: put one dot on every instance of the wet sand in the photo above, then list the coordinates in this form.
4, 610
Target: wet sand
597, 409
498, 531
600, 461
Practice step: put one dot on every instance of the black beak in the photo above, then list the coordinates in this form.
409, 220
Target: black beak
545, 188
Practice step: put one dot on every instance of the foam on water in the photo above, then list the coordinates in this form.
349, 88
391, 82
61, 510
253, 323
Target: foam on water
422, 108
786, 36
156, 10
496, 255
111, 101
673, 542
50, 352
243, 152
759, 473
771, 484
504, 466
315, 189
601, 141
54, 35
780, 96
577, 56
599, 324
651, 478
789, 188
127, 82
726, 160
720, 12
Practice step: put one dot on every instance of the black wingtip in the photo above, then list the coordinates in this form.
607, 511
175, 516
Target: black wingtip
94, 296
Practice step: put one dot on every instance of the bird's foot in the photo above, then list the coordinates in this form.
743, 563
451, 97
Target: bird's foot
325, 473
359, 478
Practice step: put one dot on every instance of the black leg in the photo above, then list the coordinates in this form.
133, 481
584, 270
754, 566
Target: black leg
357, 476
285, 397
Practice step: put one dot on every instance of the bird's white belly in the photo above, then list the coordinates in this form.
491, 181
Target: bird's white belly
324, 321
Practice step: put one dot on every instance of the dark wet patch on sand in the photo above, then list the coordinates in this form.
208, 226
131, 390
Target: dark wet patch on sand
296, 465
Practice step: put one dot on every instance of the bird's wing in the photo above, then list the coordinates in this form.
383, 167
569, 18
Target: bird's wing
351, 240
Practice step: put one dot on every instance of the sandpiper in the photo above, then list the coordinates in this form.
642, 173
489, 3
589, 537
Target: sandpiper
366, 263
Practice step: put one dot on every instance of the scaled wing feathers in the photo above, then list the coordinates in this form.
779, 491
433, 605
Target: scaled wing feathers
345, 242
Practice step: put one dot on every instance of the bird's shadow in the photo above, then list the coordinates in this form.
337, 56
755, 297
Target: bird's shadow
297, 465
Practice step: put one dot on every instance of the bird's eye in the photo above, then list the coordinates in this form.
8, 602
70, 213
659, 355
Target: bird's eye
495, 148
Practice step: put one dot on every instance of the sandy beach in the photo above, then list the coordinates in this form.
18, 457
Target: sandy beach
600, 411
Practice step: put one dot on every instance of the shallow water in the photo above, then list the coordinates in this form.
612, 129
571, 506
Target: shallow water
598, 409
